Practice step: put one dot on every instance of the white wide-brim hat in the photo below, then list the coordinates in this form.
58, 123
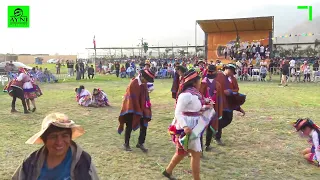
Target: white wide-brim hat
59, 120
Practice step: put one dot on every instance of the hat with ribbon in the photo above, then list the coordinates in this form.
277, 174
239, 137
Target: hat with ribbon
58, 120
302, 122
191, 75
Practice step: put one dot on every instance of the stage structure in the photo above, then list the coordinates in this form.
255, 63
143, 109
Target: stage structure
221, 33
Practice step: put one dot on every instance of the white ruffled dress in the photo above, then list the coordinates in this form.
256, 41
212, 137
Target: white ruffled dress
188, 102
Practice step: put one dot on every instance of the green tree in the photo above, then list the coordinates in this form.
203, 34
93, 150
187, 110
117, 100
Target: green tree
145, 47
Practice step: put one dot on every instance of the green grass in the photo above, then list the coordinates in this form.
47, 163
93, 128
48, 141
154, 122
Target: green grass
261, 145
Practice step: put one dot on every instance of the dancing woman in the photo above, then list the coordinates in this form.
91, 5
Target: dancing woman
192, 115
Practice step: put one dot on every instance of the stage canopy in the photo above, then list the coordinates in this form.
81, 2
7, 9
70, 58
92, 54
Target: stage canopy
234, 25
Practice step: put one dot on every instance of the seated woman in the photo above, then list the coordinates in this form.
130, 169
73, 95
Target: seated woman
83, 97
309, 129
60, 157
99, 98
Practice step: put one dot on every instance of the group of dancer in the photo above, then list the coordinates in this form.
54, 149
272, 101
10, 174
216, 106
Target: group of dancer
25, 88
201, 104
98, 98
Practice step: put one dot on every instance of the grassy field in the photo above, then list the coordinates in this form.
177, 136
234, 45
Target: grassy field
261, 145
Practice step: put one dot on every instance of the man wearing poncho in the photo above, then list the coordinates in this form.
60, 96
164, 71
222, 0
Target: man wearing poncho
211, 90
136, 109
231, 97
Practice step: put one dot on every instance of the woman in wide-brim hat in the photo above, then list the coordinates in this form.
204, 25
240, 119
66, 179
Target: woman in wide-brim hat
192, 115
60, 157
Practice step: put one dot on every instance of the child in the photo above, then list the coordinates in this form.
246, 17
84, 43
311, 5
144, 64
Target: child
309, 129
307, 73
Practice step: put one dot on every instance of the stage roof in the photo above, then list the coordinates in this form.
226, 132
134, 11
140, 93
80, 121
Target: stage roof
234, 25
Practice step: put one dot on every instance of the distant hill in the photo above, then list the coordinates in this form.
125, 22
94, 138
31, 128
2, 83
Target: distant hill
305, 27
286, 18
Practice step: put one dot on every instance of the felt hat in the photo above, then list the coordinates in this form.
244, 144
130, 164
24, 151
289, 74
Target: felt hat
148, 75
301, 122
58, 120
212, 68
231, 66
201, 62
191, 75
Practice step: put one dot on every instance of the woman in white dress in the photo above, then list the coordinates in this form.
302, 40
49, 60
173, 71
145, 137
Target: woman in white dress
192, 115
83, 96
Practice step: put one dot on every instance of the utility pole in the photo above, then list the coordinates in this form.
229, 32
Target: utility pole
142, 44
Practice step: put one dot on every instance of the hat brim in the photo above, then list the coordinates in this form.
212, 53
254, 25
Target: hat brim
77, 131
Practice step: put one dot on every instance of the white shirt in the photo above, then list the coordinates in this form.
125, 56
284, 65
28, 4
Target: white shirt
315, 141
292, 63
186, 103
261, 49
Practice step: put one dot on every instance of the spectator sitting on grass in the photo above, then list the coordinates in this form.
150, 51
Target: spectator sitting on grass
49, 75
122, 72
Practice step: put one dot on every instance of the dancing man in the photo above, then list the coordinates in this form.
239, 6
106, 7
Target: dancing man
136, 109
211, 90
177, 80
231, 99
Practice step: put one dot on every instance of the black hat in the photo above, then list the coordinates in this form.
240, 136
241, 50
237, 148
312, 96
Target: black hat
148, 75
212, 68
230, 66
181, 68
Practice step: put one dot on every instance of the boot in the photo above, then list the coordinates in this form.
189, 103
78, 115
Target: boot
219, 142
143, 149
13, 111
167, 175
34, 109
126, 147
208, 148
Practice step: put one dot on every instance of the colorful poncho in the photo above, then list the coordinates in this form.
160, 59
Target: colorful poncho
136, 101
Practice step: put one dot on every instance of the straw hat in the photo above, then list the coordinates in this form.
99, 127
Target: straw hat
59, 120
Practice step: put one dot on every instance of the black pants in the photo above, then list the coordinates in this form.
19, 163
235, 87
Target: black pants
90, 75
18, 93
224, 122
209, 135
82, 74
127, 135
117, 73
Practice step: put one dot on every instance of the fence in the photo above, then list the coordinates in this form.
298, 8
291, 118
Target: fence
5, 77
294, 74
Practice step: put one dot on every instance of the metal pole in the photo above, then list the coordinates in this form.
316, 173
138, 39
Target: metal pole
95, 57
195, 38
187, 49
172, 51
159, 50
